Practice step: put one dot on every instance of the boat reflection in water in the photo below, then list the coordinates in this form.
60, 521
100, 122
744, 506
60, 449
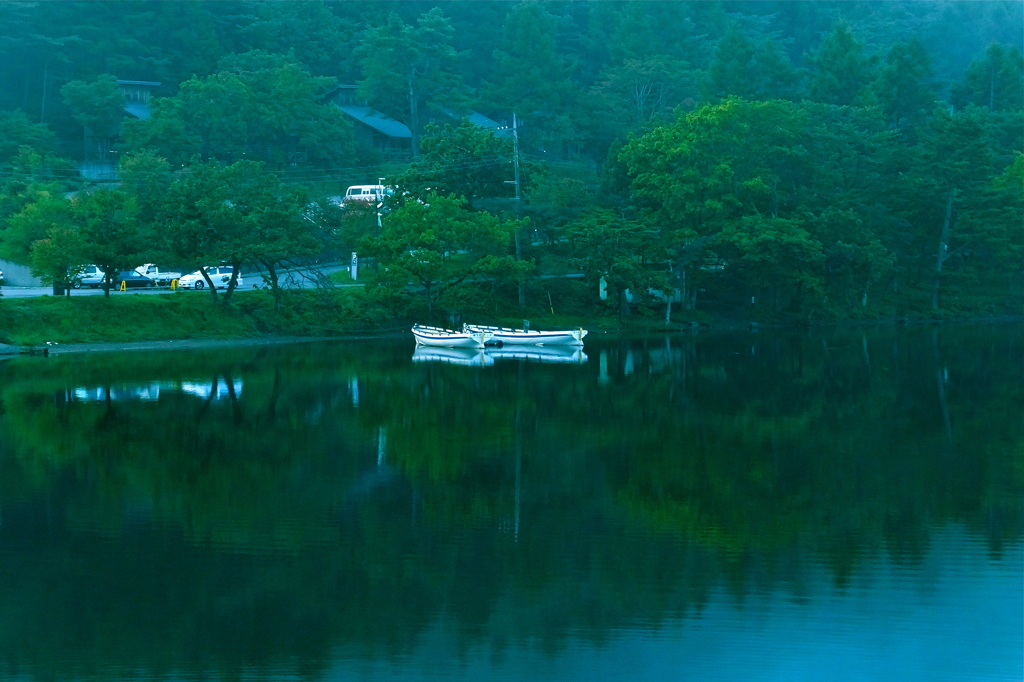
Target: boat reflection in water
485, 357
470, 357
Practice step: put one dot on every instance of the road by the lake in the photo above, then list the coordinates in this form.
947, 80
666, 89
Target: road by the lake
304, 278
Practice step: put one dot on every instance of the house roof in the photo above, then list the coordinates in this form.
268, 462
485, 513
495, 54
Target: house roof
478, 119
376, 120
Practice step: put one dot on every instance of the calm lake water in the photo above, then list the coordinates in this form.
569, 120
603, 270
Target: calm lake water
753, 506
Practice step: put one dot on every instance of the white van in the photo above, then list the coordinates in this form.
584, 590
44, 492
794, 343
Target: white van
374, 193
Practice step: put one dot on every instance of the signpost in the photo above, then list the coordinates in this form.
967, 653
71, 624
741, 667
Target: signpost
354, 266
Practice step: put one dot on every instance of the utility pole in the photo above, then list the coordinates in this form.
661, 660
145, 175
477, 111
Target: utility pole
519, 205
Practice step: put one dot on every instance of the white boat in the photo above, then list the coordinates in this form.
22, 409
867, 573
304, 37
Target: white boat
447, 338
569, 337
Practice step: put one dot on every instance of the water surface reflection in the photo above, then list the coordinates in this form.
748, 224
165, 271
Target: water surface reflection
754, 506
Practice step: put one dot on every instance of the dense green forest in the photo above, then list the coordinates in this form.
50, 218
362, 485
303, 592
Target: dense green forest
763, 159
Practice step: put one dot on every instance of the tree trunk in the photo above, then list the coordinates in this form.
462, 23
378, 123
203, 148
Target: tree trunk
209, 283
940, 257
275, 288
232, 284
414, 119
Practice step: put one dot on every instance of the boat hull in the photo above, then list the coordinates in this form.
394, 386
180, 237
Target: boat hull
446, 338
522, 337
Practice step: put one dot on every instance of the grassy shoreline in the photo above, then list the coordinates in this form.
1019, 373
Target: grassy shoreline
307, 315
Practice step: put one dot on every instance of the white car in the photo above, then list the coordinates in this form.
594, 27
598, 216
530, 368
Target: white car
220, 275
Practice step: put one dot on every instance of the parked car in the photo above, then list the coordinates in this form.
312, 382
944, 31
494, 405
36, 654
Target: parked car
161, 277
219, 274
91, 276
132, 280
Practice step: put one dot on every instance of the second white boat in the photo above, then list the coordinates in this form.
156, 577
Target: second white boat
568, 337
447, 338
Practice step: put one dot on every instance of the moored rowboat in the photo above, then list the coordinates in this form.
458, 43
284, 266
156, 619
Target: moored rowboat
569, 337
447, 338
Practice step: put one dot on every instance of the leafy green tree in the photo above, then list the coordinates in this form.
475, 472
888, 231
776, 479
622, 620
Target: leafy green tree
440, 244
33, 223
27, 177
310, 31
840, 72
743, 67
738, 166
237, 215
58, 258
257, 106
904, 88
720, 162
994, 80
533, 78
98, 104
464, 160
777, 256
958, 163
854, 257
1004, 215
408, 68
17, 131
146, 176
632, 93
628, 255
111, 234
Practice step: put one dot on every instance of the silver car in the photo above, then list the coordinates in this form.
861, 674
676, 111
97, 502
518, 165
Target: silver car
91, 276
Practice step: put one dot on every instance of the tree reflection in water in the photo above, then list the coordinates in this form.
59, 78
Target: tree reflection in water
157, 516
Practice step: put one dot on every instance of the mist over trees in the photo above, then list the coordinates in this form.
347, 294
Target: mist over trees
802, 156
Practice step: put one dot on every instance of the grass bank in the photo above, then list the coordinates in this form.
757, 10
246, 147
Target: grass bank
125, 318
185, 315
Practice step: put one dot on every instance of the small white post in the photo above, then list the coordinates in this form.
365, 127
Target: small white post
354, 266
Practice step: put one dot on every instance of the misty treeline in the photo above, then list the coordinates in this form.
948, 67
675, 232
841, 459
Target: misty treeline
810, 158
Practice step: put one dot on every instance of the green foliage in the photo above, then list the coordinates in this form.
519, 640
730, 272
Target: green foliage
750, 69
98, 105
621, 252
464, 160
904, 88
709, 92
17, 132
531, 75
239, 215
407, 68
29, 176
438, 245
57, 258
994, 80
774, 255
113, 238
259, 106
33, 223
840, 72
